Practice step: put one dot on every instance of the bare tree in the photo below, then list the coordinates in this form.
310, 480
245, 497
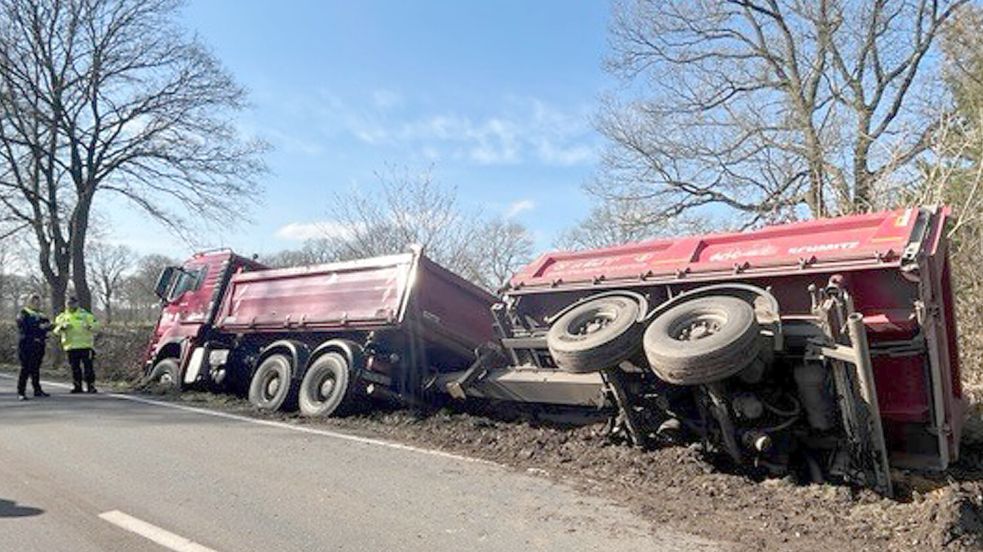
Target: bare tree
771, 107
410, 208
615, 222
500, 248
111, 96
954, 176
611, 222
314, 251
108, 265
136, 293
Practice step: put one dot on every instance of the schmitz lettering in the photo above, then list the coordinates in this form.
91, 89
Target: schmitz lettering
823, 247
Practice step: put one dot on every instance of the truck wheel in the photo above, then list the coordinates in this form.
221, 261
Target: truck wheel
703, 340
327, 389
596, 335
273, 387
166, 373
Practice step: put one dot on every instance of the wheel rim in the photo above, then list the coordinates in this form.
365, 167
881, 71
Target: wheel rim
165, 378
590, 323
698, 326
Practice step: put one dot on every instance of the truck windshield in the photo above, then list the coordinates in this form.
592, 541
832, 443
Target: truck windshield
187, 279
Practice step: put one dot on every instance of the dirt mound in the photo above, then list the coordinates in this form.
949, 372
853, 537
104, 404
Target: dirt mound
952, 519
681, 488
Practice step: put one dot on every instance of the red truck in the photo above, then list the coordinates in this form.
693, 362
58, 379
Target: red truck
318, 338
826, 347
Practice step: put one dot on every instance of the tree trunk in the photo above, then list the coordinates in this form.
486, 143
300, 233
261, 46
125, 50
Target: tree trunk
80, 225
55, 276
861, 176
815, 199
58, 289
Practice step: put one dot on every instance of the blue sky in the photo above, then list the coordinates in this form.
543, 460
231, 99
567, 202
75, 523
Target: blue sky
498, 96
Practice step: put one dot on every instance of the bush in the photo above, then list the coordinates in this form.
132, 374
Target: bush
119, 351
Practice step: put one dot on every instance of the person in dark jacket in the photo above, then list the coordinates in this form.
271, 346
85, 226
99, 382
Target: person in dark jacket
33, 328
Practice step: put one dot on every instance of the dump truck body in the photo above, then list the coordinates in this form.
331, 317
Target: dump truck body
394, 320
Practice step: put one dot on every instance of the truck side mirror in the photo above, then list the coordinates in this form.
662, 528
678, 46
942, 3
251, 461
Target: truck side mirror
164, 282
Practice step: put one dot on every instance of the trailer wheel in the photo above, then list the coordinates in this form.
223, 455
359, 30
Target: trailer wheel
596, 335
273, 386
327, 389
703, 340
166, 373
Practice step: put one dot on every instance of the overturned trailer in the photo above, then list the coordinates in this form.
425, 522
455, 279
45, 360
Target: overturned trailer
826, 348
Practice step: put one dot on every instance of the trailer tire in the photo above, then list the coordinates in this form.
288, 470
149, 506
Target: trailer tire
598, 334
703, 340
166, 373
328, 387
273, 387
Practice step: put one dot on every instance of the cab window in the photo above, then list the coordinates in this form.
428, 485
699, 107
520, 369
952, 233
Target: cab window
188, 279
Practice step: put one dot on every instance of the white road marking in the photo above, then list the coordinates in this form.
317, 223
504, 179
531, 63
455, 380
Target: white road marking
153, 533
291, 427
302, 429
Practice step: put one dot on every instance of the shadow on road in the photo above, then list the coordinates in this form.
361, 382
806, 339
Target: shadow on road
10, 509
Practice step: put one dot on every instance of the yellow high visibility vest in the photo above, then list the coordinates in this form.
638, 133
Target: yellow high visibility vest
77, 329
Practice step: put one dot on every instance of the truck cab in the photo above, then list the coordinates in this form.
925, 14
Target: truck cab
191, 295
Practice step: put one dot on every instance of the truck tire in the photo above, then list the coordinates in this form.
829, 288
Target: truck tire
598, 334
273, 387
703, 340
166, 373
328, 387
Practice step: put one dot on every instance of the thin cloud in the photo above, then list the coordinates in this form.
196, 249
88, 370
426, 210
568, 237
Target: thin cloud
523, 130
303, 231
520, 206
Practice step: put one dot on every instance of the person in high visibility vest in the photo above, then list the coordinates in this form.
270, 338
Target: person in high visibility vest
77, 328
32, 329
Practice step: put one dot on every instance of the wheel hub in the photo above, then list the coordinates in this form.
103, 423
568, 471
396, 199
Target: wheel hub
598, 322
272, 387
700, 327
327, 386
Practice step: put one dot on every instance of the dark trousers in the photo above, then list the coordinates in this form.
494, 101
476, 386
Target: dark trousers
79, 359
30, 355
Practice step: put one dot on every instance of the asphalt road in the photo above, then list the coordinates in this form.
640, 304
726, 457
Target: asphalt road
201, 482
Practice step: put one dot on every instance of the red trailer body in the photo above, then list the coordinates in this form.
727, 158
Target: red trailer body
892, 268
370, 294
396, 321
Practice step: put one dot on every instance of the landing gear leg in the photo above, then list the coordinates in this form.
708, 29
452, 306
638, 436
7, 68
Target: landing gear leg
626, 420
